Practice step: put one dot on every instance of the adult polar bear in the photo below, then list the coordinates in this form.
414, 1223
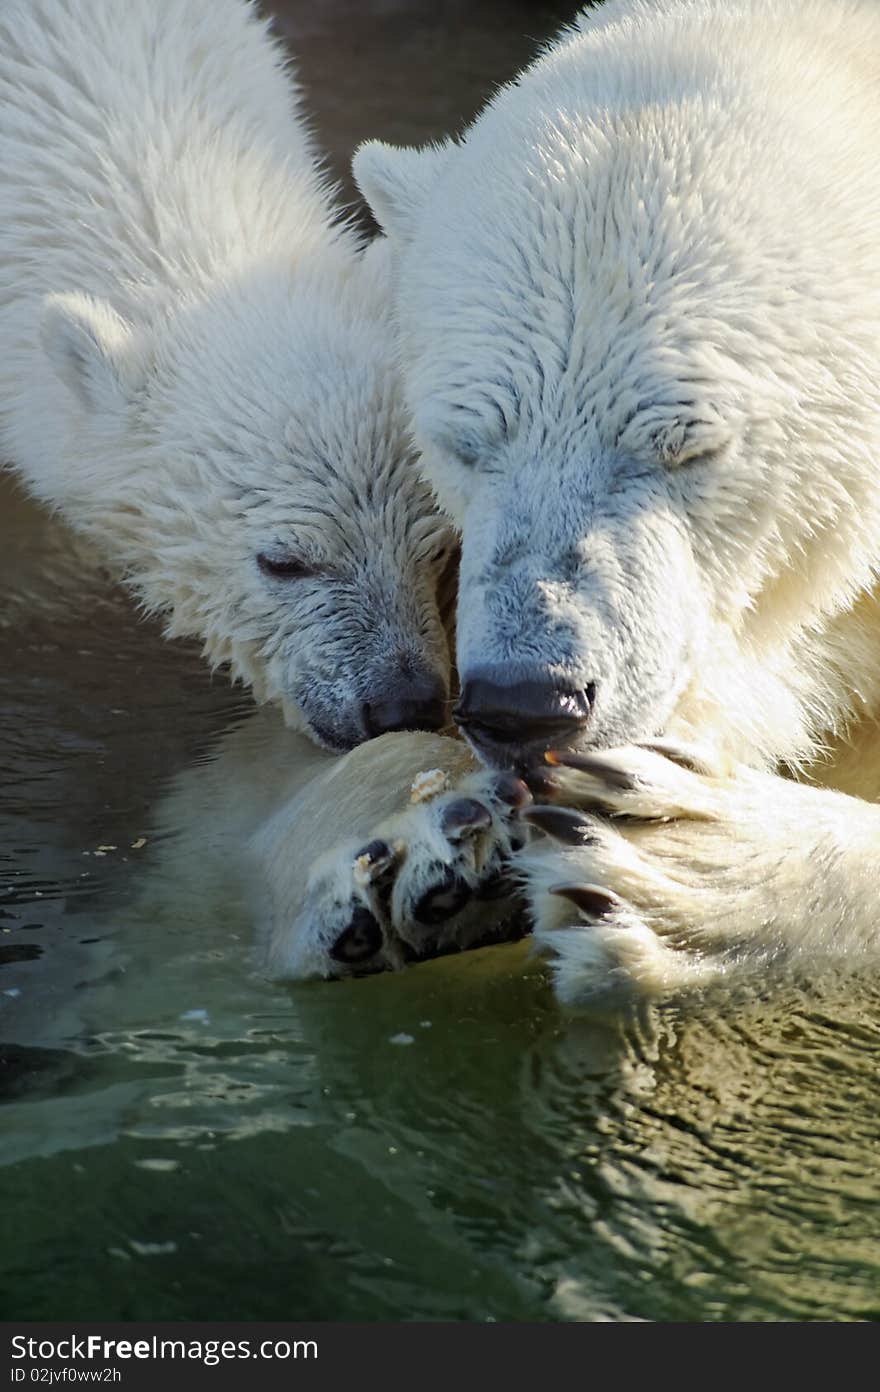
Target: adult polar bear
197, 366
639, 306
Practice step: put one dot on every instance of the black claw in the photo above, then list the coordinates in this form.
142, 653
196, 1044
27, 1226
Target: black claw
591, 900
447, 897
541, 782
592, 764
376, 860
562, 823
511, 791
677, 755
361, 940
465, 817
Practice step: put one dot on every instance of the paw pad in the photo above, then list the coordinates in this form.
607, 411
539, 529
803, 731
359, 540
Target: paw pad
446, 897
360, 941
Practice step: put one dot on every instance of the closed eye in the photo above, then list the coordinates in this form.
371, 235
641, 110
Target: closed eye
691, 458
467, 454
283, 565
463, 446
676, 449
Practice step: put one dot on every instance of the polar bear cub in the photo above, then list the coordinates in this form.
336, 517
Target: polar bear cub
195, 358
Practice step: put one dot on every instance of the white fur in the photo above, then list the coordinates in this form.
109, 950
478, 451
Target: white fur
639, 308
195, 357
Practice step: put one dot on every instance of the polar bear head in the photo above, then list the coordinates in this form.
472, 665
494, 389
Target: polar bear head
246, 463
620, 365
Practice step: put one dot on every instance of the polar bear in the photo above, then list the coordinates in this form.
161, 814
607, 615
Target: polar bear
196, 362
639, 313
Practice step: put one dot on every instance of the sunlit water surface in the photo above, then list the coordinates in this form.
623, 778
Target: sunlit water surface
182, 1139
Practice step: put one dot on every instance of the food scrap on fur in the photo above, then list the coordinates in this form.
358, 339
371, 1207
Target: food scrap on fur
428, 784
361, 871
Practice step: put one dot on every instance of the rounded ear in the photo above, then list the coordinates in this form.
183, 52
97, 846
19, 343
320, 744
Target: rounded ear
396, 182
92, 349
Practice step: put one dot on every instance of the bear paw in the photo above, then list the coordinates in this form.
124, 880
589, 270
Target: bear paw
435, 878
628, 888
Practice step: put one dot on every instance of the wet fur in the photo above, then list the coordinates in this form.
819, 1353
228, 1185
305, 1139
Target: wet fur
196, 359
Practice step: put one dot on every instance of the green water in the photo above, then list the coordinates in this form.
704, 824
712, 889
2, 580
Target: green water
180, 1139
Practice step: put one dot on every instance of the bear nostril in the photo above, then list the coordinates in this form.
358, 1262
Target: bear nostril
411, 705
360, 940
532, 711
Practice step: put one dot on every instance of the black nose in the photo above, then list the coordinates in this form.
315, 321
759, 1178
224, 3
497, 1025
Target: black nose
534, 711
417, 703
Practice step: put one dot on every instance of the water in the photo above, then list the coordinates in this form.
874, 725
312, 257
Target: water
182, 1140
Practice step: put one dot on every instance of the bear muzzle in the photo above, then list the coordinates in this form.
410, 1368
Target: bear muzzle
512, 724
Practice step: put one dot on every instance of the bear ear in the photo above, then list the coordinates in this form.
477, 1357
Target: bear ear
396, 182
92, 349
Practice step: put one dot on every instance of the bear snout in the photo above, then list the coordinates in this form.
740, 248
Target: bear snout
407, 703
515, 722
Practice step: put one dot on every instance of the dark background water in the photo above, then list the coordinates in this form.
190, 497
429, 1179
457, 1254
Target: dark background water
407, 71
181, 1140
